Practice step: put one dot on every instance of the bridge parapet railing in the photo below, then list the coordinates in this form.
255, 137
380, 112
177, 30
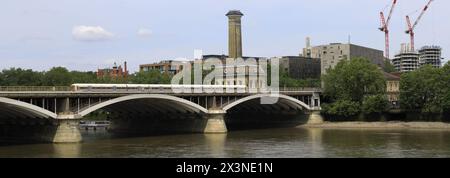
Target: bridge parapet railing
150, 90
293, 89
34, 88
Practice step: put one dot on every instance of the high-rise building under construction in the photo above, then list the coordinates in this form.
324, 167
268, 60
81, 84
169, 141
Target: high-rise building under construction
430, 55
410, 60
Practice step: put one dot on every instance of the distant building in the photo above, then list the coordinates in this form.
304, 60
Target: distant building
250, 74
393, 88
430, 55
167, 67
301, 67
330, 55
244, 74
224, 57
407, 60
116, 72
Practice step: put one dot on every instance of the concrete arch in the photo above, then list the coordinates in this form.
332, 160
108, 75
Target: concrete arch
181, 101
32, 109
248, 98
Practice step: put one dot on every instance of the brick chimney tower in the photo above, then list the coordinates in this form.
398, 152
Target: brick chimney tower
234, 33
125, 72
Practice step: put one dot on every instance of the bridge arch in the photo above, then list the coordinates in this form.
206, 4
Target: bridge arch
20, 108
291, 100
181, 103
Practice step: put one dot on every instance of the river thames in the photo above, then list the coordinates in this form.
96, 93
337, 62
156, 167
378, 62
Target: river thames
270, 143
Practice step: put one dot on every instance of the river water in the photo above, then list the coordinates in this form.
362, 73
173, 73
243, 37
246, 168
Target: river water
270, 143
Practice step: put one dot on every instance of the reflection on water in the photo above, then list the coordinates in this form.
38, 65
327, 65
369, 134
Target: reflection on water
67, 150
289, 143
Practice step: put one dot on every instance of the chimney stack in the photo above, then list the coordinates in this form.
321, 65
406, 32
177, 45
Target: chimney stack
308, 42
234, 34
125, 68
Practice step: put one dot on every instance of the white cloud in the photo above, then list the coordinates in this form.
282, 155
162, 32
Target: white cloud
91, 33
144, 32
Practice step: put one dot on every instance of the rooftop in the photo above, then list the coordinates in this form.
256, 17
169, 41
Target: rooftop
235, 12
392, 76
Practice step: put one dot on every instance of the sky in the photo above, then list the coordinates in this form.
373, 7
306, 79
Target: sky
86, 35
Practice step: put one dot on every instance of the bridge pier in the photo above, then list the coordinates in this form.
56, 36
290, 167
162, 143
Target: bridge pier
65, 131
215, 122
315, 118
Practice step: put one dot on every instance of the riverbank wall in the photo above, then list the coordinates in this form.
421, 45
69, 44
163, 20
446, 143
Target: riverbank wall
380, 125
390, 116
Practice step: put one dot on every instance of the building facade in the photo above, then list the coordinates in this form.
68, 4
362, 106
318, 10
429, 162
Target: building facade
116, 72
430, 55
410, 60
301, 67
170, 67
250, 74
393, 88
330, 55
407, 60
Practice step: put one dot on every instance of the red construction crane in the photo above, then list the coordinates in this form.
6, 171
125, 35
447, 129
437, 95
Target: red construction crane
385, 27
411, 28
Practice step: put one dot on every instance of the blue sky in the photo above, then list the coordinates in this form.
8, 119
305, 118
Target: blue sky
90, 34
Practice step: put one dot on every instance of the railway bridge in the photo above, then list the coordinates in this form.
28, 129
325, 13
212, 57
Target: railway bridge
52, 114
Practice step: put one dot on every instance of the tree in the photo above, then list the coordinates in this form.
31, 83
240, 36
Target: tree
375, 104
151, 77
343, 108
20, 77
83, 77
388, 67
287, 81
57, 76
352, 80
425, 89
446, 84
354, 86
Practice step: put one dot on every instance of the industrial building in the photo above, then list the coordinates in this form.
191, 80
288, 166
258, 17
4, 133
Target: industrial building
299, 67
330, 55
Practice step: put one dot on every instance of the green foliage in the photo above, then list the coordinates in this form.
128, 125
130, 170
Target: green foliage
83, 77
353, 87
150, 77
446, 84
352, 80
60, 76
388, 67
344, 108
20, 77
425, 90
57, 76
287, 81
375, 104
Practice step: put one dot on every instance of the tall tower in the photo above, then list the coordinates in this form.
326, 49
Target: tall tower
234, 34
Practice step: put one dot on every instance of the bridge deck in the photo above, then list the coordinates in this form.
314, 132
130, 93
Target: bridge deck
111, 93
